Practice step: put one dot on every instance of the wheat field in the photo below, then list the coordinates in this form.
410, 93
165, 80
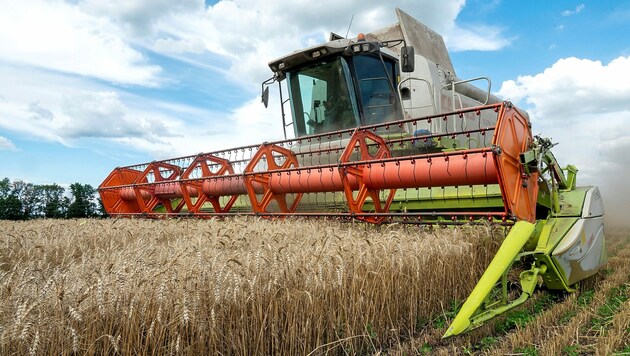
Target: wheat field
235, 286
246, 286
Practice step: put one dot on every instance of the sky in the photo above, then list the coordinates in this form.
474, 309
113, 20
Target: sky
89, 85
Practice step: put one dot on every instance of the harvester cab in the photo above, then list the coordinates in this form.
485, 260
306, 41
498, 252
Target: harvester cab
402, 71
384, 131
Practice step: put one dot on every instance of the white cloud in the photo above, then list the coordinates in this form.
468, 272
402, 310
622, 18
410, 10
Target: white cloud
574, 86
99, 39
73, 60
577, 10
58, 36
139, 16
6, 144
170, 45
249, 124
583, 105
252, 33
481, 38
102, 114
67, 109
77, 114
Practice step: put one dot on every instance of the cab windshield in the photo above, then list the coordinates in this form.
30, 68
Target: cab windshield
378, 100
321, 99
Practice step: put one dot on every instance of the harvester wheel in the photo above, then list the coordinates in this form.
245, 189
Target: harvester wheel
269, 158
370, 147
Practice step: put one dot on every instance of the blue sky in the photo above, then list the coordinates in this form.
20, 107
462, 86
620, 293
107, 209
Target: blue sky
89, 85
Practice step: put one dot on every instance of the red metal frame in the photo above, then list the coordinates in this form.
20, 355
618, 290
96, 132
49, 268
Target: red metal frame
365, 171
163, 191
116, 201
266, 157
361, 141
193, 188
512, 137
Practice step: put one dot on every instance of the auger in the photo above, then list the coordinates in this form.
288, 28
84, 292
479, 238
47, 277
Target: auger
384, 131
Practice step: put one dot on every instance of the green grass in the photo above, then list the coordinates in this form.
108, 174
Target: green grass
625, 351
425, 349
546, 300
566, 317
513, 320
520, 317
586, 297
572, 350
614, 299
527, 351
487, 342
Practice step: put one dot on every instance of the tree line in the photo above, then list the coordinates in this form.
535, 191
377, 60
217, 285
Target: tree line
20, 200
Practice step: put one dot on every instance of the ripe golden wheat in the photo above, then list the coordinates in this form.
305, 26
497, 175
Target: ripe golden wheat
234, 286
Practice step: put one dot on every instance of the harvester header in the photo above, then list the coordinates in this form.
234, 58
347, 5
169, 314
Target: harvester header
384, 131
361, 168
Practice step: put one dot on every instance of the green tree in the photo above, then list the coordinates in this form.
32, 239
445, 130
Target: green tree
27, 195
83, 201
18, 200
52, 202
5, 188
10, 205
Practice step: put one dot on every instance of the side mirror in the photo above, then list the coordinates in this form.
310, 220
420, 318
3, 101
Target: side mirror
407, 58
265, 96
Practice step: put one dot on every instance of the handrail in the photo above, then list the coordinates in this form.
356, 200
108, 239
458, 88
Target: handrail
453, 84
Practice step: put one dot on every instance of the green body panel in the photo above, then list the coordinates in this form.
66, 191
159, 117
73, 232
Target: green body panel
162, 209
571, 174
553, 231
537, 243
544, 196
572, 202
534, 238
447, 198
159, 209
509, 250
529, 281
552, 278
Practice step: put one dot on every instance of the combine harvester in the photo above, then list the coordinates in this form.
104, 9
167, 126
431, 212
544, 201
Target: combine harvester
384, 131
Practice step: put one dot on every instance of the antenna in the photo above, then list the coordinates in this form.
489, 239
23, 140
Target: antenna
350, 24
